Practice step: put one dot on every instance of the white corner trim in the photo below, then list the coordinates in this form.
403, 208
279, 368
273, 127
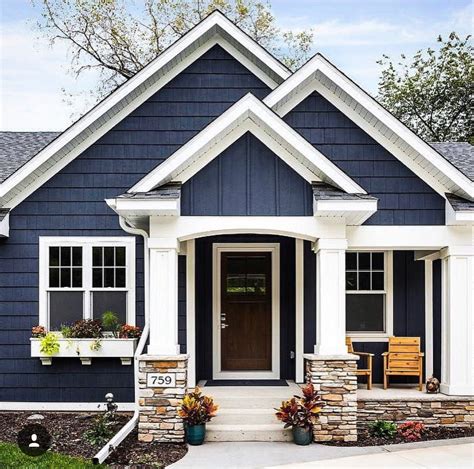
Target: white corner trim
248, 114
215, 29
191, 311
5, 226
299, 310
305, 80
217, 249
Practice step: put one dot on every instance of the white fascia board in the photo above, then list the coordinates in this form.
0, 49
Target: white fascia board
141, 207
345, 206
248, 114
459, 217
301, 83
5, 226
169, 60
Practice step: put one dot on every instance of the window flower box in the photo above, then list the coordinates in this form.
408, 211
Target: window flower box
86, 349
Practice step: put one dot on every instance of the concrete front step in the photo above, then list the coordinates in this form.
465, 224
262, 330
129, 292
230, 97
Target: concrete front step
231, 402
245, 416
248, 432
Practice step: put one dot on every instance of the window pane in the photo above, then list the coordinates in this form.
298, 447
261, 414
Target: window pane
97, 278
256, 283
109, 277
351, 261
97, 256
120, 278
77, 256
65, 256
377, 281
109, 256
365, 313
351, 280
66, 277
65, 307
364, 281
120, 256
77, 278
54, 277
54, 256
377, 261
364, 260
236, 283
115, 301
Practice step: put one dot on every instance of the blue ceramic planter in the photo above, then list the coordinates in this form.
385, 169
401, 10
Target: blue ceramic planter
302, 436
195, 434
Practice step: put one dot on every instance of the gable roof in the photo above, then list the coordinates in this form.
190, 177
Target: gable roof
320, 75
249, 114
214, 29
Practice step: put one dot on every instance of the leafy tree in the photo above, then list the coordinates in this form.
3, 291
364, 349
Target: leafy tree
119, 37
432, 92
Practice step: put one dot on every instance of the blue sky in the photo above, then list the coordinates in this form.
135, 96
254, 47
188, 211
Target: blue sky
353, 34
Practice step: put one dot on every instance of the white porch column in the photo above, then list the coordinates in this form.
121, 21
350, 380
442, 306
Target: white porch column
163, 297
428, 318
457, 330
330, 297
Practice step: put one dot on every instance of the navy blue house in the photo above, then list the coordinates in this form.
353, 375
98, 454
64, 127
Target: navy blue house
238, 213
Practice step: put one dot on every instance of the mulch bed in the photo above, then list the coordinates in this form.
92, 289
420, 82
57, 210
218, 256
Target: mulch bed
430, 433
67, 430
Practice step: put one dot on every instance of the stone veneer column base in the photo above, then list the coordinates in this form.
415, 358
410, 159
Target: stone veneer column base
159, 419
335, 378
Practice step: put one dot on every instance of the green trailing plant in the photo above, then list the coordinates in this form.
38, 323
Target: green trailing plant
38, 331
101, 430
383, 429
110, 322
49, 344
86, 329
411, 431
96, 345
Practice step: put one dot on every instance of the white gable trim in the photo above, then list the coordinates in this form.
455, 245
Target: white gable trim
215, 29
458, 217
248, 114
320, 75
5, 226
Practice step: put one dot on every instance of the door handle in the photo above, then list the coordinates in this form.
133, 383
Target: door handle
223, 325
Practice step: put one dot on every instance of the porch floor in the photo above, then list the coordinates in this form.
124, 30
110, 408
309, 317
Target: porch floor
402, 393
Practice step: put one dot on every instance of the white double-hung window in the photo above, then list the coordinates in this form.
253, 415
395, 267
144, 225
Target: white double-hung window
369, 294
82, 277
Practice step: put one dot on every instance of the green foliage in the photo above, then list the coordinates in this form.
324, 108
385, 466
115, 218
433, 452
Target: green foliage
12, 457
49, 344
96, 345
86, 329
383, 429
432, 92
101, 431
119, 37
110, 322
66, 331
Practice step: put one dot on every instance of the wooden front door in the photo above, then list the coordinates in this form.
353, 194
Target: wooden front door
246, 311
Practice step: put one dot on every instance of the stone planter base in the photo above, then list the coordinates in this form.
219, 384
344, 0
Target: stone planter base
335, 378
159, 403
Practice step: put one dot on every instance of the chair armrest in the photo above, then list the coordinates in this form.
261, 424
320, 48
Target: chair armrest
421, 354
385, 354
365, 354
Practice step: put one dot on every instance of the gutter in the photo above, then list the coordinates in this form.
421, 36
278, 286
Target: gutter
115, 441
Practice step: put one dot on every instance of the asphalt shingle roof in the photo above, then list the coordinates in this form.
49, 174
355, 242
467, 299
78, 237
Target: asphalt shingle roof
459, 154
323, 191
16, 148
460, 204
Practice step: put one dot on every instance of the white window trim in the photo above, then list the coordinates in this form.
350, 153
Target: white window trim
274, 249
87, 243
388, 279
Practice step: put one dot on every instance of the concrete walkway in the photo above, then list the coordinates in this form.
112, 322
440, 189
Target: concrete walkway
457, 453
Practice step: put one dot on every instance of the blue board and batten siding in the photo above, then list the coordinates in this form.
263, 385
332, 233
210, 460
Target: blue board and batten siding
72, 204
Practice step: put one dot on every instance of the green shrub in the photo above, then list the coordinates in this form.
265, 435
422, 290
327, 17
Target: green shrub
110, 322
383, 429
101, 431
49, 344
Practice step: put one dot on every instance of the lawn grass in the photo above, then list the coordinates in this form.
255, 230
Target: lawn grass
12, 457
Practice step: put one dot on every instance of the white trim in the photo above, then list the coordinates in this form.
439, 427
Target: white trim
458, 217
299, 310
135, 207
191, 311
87, 243
354, 212
217, 249
5, 226
312, 75
247, 114
215, 29
388, 319
63, 406
428, 318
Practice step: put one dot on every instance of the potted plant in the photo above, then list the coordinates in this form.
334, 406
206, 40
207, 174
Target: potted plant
196, 410
110, 323
301, 413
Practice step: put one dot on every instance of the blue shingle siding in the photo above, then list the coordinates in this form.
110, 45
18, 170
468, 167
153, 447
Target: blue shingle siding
404, 199
247, 179
72, 204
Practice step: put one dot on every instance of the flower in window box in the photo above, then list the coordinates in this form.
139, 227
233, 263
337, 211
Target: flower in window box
38, 331
130, 332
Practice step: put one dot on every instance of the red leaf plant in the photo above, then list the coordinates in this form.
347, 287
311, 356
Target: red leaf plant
301, 411
129, 332
196, 409
38, 331
411, 431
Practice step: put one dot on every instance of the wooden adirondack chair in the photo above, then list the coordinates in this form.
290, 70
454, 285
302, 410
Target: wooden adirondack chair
362, 371
403, 358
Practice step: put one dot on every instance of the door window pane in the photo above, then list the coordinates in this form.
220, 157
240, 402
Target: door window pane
65, 307
365, 313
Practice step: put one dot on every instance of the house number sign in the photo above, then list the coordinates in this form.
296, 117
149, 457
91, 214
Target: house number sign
161, 380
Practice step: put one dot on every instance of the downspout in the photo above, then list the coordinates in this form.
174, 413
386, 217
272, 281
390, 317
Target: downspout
103, 454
